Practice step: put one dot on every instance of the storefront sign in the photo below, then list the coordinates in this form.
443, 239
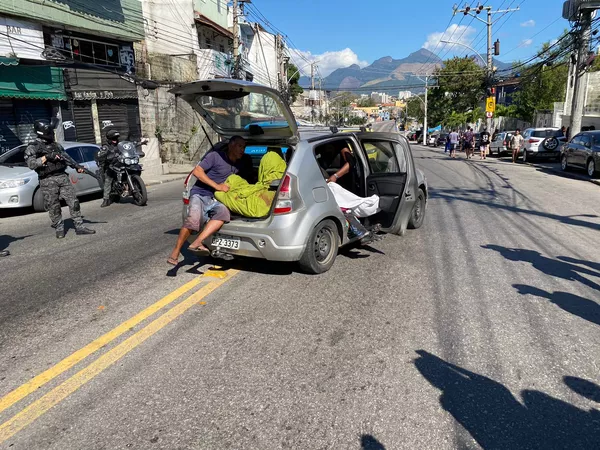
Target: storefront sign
21, 39
93, 95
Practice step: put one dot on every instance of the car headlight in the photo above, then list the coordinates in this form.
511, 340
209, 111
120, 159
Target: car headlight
8, 184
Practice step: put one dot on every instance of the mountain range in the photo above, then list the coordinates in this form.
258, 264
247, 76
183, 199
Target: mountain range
387, 74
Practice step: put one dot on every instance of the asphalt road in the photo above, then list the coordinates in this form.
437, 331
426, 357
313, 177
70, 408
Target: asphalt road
480, 330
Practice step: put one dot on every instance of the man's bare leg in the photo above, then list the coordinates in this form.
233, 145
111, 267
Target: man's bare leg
211, 227
184, 233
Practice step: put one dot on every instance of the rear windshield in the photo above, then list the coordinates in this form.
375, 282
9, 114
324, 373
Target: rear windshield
546, 133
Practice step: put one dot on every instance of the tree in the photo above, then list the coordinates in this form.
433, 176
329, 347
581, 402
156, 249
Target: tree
544, 82
461, 88
415, 108
293, 75
366, 102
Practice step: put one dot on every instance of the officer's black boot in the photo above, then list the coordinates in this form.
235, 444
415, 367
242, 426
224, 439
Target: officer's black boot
60, 233
4, 253
84, 230
105, 203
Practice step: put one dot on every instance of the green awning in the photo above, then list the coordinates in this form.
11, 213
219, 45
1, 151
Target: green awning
32, 82
7, 61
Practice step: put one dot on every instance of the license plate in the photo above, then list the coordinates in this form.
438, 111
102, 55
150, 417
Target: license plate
230, 243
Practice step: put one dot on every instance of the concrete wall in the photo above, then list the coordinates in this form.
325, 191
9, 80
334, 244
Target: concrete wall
114, 18
262, 58
169, 27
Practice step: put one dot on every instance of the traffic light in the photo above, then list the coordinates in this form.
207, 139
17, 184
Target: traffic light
497, 47
491, 91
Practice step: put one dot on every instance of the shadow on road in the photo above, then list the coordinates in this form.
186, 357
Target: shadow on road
574, 304
6, 240
584, 388
468, 195
496, 419
368, 442
553, 267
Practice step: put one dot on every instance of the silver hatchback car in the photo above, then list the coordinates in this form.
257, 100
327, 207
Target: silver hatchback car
305, 224
19, 185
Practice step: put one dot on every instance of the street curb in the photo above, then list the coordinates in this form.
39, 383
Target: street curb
155, 182
566, 174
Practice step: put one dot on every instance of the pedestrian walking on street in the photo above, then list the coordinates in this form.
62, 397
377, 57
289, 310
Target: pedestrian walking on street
44, 156
516, 142
454, 138
469, 143
447, 147
484, 143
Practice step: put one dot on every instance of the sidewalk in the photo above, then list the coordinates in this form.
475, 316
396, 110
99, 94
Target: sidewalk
150, 181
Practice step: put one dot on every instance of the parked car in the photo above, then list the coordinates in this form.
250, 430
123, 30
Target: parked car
582, 151
500, 145
544, 142
441, 139
305, 224
19, 185
432, 139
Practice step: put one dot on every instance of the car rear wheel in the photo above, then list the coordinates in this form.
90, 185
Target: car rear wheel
38, 201
321, 249
417, 215
591, 168
564, 164
524, 156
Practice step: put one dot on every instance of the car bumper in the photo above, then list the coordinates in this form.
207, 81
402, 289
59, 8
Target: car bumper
20, 197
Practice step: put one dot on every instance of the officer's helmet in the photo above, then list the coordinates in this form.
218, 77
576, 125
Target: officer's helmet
112, 136
43, 129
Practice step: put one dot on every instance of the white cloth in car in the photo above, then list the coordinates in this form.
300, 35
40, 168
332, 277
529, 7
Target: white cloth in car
359, 206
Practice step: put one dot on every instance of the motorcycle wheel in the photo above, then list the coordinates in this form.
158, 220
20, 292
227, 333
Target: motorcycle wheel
140, 196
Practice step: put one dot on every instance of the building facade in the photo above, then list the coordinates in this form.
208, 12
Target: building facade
74, 59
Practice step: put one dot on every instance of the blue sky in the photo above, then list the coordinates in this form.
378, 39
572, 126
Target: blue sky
339, 33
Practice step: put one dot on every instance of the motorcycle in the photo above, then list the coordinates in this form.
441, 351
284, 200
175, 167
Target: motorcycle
127, 169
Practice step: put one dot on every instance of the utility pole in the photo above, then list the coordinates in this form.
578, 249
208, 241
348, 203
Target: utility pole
312, 92
579, 90
236, 41
425, 118
474, 12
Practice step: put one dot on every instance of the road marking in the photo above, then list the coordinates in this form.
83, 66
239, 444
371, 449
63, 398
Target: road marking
48, 375
62, 391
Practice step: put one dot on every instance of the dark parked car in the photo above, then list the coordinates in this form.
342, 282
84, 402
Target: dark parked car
583, 151
441, 139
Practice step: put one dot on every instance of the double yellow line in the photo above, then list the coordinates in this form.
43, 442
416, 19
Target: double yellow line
62, 391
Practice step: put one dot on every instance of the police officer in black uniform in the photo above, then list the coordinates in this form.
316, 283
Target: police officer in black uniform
107, 154
44, 156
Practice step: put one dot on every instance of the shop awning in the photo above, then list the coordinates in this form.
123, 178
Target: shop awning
32, 82
201, 19
84, 84
7, 61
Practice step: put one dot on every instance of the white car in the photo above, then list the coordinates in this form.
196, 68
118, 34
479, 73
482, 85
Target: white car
545, 142
19, 185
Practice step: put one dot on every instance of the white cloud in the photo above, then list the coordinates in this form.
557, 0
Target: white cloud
528, 23
328, 61
526, 43
461, 34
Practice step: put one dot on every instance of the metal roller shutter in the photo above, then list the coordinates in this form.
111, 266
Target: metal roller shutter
133, 116
113, 114
68, 122
8, 128
27, 112
84, 122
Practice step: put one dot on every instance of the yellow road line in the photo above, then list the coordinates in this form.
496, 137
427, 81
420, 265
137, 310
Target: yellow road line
62, 391
48, 375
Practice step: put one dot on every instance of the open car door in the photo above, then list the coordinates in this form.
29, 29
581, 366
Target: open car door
241, 108
391, 176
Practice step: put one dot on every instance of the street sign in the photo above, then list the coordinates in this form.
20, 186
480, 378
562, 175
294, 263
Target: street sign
489, 114
490, 104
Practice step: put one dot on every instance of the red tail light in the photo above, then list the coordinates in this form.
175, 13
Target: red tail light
284, 199
186, 201
533, 141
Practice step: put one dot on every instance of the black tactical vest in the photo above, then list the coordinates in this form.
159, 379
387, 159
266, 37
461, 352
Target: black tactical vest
52, 167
